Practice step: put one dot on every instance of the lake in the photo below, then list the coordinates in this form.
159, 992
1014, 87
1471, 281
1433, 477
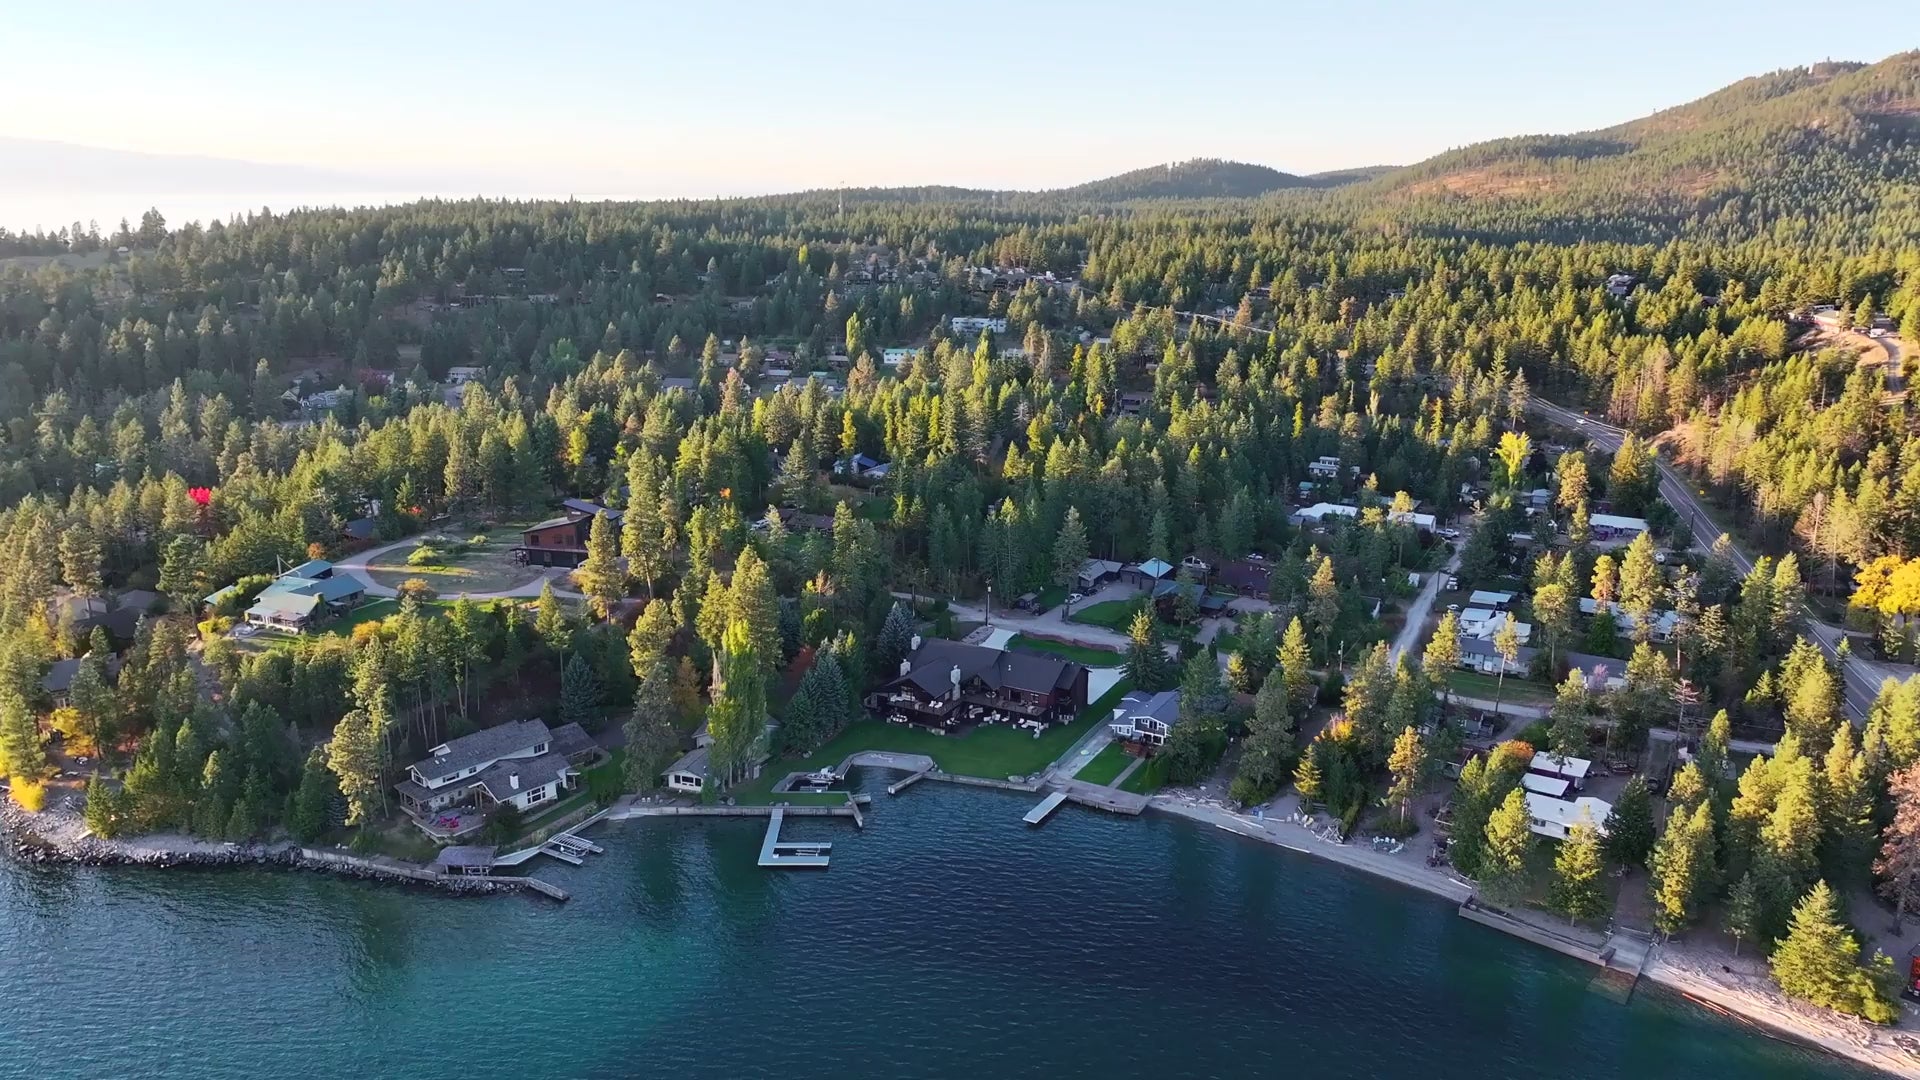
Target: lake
947, 940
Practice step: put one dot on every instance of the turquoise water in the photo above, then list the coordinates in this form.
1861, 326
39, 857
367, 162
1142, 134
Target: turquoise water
948, 940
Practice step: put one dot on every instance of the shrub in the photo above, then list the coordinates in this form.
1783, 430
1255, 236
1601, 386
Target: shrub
504, 824
417, 589
31, 795
424, 555
1333, 689
477, 540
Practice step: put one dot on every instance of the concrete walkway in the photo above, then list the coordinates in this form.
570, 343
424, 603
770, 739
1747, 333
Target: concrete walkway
358, 566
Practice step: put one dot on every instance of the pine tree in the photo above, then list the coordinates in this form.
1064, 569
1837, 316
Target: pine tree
1323, 603
354, 755
651, 635
1577, 891
1629, 827
1510, 840
1742, 913
1307, 779
1295, 662
550, 622
1682, 869
895, 639
652, 728
580, 691
1069, 551
1406, 764
1443, 653
600, 576
1146, 661
21, 755
1567, 735
1818, 961
1898, 865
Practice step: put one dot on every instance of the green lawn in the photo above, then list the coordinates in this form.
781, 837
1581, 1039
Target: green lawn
1148, 778
1474, 684
993, 752
1080, 653
1110, 762
1112, 614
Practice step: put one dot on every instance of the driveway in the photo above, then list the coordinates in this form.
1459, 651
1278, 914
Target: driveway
356, 566
1409, 635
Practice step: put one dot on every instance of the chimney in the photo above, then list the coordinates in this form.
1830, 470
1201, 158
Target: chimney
954, 677
513, 780
915, 644
906, 667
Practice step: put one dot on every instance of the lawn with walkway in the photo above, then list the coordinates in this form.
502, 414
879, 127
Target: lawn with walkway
455, 564
1106, 766
1112, 614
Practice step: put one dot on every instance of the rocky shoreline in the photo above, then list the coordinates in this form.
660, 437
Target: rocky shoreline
59, 838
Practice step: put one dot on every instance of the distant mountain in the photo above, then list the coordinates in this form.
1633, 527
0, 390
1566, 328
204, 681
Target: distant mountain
1201, 178
37, 165
1824, 143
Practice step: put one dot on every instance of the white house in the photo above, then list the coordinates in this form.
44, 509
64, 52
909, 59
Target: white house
522, 763
689, 775
1478, 654
1614, 526
1555, 818
1324, 467
303, 596
1486, 623
897, 356
1145, 720
461, 376
1553, 787
973, 324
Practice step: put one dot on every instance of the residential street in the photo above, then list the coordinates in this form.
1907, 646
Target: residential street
1861, 677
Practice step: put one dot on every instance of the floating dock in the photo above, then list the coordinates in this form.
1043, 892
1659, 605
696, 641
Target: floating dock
1046, 808
790, 855
544, 888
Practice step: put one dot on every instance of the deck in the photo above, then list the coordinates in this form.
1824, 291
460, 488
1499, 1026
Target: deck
1046, 808
1112, 800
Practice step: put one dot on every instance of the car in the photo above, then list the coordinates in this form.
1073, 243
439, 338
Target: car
1074, 598
1450, 534
1453, 609
1582, 421
1660, 557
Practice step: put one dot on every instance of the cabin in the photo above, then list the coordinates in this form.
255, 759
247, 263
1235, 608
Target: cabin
1142, 722
1602, 672
690, 774
562, 541
1325, 468
896, 357
521, 763
1485, 624
973, 324
948, 685
1661, 628
1147, 574
1615, 526
1555, 818
1167, 595
1571, 769
1095, 573
57, 683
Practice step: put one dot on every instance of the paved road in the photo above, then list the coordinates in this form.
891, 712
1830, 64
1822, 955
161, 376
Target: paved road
1861, 677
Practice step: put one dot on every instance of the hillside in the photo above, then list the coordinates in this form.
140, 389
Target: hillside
1823, 148
1201, 178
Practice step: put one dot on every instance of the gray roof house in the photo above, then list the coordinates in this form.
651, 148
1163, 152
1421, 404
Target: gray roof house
523, 763
1145, 720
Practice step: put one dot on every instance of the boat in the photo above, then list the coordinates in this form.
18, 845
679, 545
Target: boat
823, 778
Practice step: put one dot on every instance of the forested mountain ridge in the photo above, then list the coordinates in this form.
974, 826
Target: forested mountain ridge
1201, 178
1822, 149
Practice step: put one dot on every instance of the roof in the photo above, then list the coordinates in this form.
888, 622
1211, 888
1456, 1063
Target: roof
550, 523
457, 755
498, 778
583, 506
1242, 573
1163, 706
331, 589
1616, 521
465, 855
931, 668
1484, 647
1099, 568
1488, 598
361, 528
138, 599
284, 601
1568, 813
1598, 669
1554, 787
59, 677
312, 568
1571, 767
693, 761
1156, 568
571, 739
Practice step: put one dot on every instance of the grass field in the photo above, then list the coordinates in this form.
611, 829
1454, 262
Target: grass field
1112, 614
1111, 761
1473, 684
1080, 653
1148, 778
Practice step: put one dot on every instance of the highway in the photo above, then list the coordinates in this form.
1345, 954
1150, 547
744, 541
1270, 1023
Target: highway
1861, 677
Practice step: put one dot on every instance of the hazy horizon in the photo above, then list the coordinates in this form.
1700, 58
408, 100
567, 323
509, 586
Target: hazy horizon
648, 102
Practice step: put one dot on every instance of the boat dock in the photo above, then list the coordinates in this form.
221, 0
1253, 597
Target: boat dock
569, 848
899, 786
775, 852
1046, 808
544, 888
1112, 800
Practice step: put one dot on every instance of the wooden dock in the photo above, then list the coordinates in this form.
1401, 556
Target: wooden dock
790, 855
899, 786
1112, 800
544, 888
1046, 808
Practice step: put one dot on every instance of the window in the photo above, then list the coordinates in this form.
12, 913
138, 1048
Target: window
535, 795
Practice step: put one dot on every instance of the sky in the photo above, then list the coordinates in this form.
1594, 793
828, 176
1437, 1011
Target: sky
645, 100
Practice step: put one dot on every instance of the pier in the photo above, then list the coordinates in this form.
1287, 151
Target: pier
1046, 808
899, 786
786, 854
1112, 800
544, 888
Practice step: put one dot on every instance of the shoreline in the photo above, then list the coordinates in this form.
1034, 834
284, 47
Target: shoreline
1689, 972
25, 839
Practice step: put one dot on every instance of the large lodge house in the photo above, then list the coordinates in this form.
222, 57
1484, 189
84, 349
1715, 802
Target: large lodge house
562, 541
947, 685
